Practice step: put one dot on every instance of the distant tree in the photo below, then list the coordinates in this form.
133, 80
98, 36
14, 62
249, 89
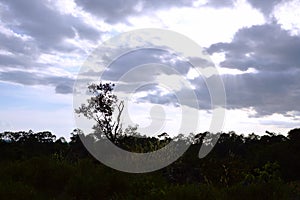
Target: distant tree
294, 134
164, 134
75, 136
100, 107
252, 138
61, 140
200, 137
9, 136
271, 134
132, 131
45, 137
28, 137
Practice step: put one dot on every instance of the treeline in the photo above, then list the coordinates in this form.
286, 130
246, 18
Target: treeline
41, 166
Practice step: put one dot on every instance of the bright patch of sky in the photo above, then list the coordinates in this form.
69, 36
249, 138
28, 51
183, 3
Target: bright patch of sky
204, 25
288, 15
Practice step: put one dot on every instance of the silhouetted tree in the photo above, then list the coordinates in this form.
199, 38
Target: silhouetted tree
294, 135
100, 107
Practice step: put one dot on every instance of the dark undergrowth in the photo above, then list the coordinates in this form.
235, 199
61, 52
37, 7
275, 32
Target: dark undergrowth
41, 167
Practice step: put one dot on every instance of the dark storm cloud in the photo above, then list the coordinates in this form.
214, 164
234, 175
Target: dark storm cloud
62, 85
118, 10
265, 47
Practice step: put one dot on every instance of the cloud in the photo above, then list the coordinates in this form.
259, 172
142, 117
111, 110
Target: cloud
273, 53
144, 65
220, 3
267, 93
63, 85
156, 96
15, 44
119, 10
266, 7
47, 27
31, 29
63, 89
265, 47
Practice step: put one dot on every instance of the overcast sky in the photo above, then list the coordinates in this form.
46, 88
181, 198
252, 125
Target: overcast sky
255, 45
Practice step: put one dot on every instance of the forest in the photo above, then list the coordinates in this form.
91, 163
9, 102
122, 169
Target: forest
41, 166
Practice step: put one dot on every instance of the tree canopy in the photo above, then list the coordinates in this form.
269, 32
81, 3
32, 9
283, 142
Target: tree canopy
100, 108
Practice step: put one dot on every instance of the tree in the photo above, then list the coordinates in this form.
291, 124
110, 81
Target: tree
100, 107
294, 135
45, 137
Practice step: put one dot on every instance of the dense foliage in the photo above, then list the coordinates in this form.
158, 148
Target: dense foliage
39, 166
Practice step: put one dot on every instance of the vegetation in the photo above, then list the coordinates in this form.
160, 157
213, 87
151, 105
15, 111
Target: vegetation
100, 108
39, 166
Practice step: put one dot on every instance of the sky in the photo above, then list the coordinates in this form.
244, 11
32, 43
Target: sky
254, 44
